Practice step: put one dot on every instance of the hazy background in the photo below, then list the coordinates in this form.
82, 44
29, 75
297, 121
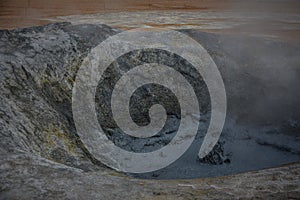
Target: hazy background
24, 13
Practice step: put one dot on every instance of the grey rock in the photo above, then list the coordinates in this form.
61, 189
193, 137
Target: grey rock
38, 68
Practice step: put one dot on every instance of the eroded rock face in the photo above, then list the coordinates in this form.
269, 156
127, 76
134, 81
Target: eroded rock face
39, 144
38, 68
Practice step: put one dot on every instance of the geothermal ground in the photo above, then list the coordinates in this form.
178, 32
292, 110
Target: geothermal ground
256, 49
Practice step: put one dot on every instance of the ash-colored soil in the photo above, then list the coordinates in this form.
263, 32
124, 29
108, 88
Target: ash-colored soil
25, 176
